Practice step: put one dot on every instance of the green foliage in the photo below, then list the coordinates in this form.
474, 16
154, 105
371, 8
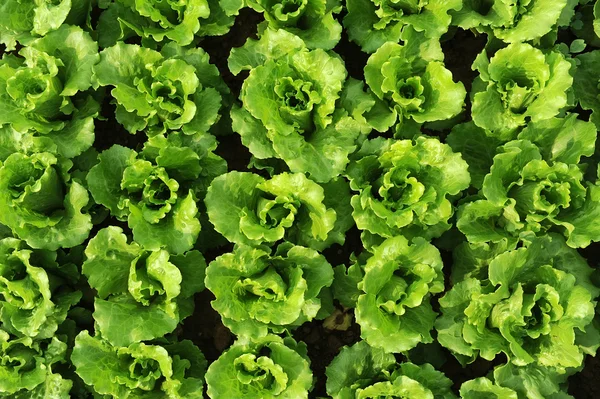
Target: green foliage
267, 367
405, 187
528, 305
291, 107
361, 371
352, 206
40, 203
163, 21
174, 369
371, 23
393, 305
519, 83
36, 289
511, 21
412, 80
247, 209
43, 89
311, 20
157, 190
143, 294
535, 185
176, 89
23, 21
26, 369
257, 292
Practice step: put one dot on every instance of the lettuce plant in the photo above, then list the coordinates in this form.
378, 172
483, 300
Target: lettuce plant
22, 21
40, 202
360, 371
135, 285
160, 21
26, 367
269, 367
412, 80
310, 20
173, 369
156, 190
371, 23
535, 185
43, 89
517, 84
393, 306
404, 187
36, 289
257, 292
530, 306
586, 83
247, 209
510, 21
290, 109
158, 93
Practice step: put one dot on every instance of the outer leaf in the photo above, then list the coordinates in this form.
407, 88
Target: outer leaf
586, 84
